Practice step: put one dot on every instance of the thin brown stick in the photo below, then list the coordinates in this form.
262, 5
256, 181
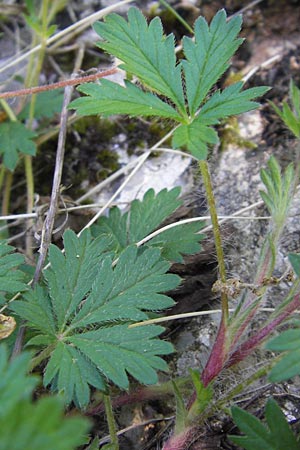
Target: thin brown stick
60, 84
49, 221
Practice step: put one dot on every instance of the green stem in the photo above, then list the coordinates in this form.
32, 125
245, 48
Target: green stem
34, 69
178, 16
111, 421
203, 165
10, 114
41, 356
2, 174
29, 182
6, 173
6, 193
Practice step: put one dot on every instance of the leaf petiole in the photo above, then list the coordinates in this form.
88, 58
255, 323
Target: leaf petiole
111, 421
203, 165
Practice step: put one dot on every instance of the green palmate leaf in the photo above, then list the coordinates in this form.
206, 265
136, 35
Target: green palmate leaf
289, 365
279, 189
291, 120
271, 178
15, 138
276, 436
30, 7
11, 279
204, 395
231, 101
31, 426
288, 118
71, 277
83, 318
111, 98
181, 421
143, 218
113, 226
36, 23
36, 309
279, 427
149, 55
146, 215
145, 52
291, 115
295, 98
47, 104
32, 19
94, 445
15, 384
295, 262
117, 350
180, 240
208, 56
196, 137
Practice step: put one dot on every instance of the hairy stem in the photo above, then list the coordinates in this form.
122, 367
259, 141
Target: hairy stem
2, 175
218, 353
60, 84
254, 341
41, 356
178, 16
183, 440
10, 114
7, 192
6, 173
30, 196
139, 395
111, 421
203, 165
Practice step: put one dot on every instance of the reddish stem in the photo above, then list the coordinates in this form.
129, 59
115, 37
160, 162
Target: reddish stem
59, 84
182, 441
262, 273
140, 395
217, 356
240, 331
247, 347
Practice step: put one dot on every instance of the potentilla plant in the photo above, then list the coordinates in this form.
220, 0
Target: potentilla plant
187, 99
83, 310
